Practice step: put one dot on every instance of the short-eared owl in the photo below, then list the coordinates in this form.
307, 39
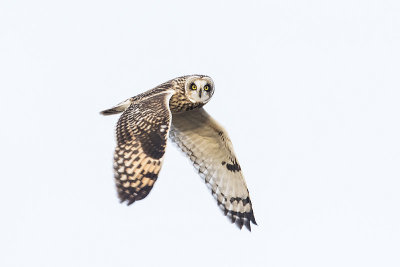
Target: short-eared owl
176, 108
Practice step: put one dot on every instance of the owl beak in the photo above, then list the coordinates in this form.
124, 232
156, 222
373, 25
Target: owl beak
200, 93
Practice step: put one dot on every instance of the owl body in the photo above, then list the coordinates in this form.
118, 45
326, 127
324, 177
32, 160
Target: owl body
174, 109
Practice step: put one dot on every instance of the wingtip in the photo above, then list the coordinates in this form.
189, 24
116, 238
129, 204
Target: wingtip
121, 107
108, 112
240, 223
126, 199
246, 221
247, 224
253, 219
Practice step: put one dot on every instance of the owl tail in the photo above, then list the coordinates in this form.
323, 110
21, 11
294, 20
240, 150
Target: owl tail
118, 108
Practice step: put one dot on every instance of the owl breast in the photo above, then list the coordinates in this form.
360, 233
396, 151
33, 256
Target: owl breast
179, 103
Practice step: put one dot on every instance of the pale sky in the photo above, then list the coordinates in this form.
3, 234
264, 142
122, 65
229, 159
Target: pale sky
308, 91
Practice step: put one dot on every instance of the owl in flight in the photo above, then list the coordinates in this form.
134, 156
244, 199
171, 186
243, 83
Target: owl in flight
175, 108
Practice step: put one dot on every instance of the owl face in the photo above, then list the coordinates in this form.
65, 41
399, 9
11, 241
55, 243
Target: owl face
199, 89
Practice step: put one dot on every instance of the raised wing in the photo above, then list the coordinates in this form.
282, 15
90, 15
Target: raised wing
208, 146
121, 107
142, 132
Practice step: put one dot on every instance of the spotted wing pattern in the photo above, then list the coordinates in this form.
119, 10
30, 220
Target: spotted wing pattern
142, 132
208, 146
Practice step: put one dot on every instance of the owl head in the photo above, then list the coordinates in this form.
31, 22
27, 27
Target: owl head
199, 88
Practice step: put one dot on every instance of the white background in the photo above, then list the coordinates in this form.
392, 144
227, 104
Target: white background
309, 92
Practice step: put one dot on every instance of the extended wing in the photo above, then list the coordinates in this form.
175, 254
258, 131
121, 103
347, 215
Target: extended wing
142, 132
208, 146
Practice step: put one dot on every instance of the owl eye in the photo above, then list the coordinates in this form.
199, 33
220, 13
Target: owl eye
193, 86
206, 87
